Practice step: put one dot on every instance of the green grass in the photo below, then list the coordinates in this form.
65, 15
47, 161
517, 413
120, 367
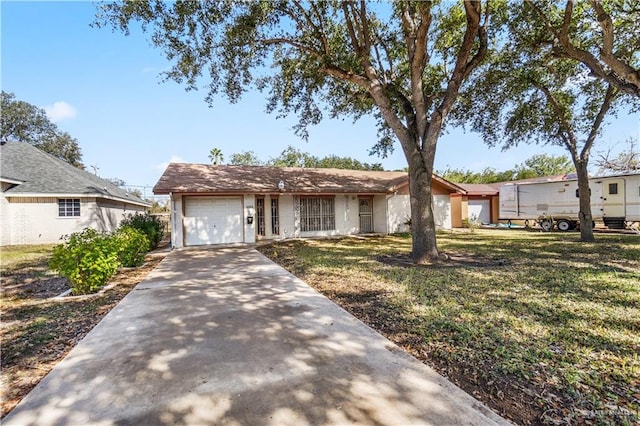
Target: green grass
17, 257
537, 313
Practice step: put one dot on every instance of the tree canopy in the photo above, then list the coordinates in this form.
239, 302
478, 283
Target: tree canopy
21, 121
293, 157
537, 166
602, 35
403, 62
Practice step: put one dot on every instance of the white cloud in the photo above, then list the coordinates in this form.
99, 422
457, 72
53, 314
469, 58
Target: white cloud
60, 111
162, 166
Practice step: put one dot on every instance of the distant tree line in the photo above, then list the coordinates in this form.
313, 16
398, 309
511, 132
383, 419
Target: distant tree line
536, 166
293, 157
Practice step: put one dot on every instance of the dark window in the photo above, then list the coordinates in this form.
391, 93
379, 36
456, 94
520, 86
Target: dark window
68, 207
317, 214
260, 214
275, 217
613, 188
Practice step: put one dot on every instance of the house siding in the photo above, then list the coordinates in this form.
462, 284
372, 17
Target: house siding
106, 215
35, 220
5, 227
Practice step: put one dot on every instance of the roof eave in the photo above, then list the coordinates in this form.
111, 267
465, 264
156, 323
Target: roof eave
73, 195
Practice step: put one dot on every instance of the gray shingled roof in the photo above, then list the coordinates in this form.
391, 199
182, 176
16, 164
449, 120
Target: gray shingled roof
41, 173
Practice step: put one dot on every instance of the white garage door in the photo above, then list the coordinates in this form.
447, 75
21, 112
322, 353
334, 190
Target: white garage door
480, 210
213, 220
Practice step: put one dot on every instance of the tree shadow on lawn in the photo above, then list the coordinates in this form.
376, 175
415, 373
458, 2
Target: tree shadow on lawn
241, 343
519, 329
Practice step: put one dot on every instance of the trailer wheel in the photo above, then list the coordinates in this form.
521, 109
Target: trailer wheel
564, 225
546, 224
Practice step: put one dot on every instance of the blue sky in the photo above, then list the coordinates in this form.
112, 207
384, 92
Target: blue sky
105, 90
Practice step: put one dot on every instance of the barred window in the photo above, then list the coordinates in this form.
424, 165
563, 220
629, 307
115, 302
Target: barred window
260, 214
68, 207
317, 214
275, 217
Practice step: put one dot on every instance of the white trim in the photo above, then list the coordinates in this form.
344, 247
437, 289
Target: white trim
14, 181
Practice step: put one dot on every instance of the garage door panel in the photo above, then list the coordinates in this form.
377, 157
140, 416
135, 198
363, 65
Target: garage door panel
212, 220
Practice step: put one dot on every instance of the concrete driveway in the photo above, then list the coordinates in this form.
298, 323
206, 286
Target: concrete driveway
225, 336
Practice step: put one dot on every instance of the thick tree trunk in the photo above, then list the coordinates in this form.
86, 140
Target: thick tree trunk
585, 216
423, 227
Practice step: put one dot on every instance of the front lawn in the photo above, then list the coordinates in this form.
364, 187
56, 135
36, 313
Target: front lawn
38, 330
541, 327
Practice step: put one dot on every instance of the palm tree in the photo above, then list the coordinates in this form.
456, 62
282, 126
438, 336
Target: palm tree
216, 157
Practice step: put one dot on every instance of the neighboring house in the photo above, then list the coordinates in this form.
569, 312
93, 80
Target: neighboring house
480, 202
44, 198
232, 204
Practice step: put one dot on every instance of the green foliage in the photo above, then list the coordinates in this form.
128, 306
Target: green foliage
148, 224
22, 122
402, 63
293, 157
88, 259
216, 157
246, 158
132, 245
536, 166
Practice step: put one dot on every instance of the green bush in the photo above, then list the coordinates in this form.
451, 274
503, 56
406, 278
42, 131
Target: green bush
132, 245
149, 225
88, 260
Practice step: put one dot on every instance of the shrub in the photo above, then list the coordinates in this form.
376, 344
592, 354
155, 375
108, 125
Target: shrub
149, 225
132, 245
88, 260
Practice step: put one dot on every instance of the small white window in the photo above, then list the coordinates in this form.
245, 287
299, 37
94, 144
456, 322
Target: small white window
68, 207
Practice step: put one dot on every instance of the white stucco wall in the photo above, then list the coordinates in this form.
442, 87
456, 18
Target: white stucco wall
35, 220
390, 212
399, 211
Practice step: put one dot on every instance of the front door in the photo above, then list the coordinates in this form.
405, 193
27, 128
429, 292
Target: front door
613, 198
366, 215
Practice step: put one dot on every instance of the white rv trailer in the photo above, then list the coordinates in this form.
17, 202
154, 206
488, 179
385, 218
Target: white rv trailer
615, 200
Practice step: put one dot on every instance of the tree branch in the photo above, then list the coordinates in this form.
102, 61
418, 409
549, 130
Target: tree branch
595, 128
566, 127
622, 75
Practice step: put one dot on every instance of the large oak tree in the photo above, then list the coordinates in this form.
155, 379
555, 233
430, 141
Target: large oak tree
403, 62
533, 94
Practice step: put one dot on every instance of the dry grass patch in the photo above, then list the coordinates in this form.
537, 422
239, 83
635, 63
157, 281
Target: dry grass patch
37, 331
539, 326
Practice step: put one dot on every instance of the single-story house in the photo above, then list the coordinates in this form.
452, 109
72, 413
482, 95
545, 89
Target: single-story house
234, 204
44, 198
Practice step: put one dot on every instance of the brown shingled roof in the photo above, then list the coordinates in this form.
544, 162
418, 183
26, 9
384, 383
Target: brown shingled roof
202, 178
